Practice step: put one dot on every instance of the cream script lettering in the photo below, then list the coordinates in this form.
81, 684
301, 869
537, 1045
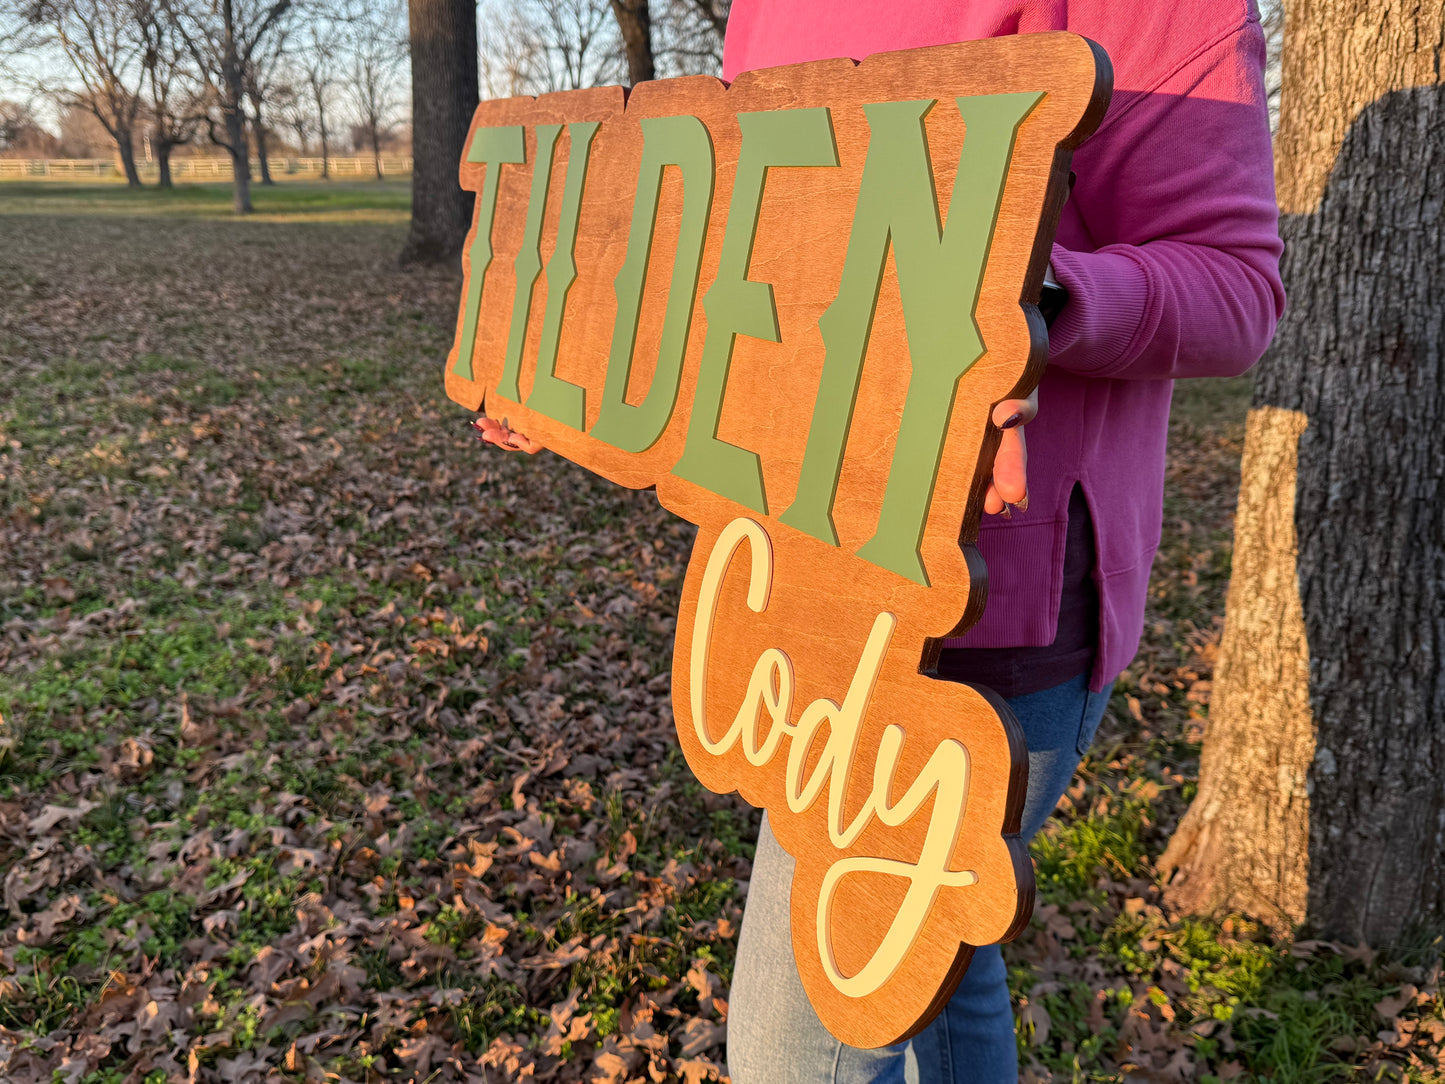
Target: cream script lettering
770, 692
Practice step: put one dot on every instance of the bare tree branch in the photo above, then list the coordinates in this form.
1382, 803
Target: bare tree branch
104, 45
377, 46
223, 36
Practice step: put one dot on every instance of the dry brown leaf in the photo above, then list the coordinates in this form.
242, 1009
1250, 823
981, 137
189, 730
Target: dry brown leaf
1392, 1005
1034, 1019
700, 1036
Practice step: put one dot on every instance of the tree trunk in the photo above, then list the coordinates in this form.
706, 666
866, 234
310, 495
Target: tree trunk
634, 19
163, 162
1322, 785
258, 127
717, 19
444, 97
240, 161
325, 143
376, 151
126, 147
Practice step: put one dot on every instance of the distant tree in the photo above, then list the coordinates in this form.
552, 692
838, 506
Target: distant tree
713, 12
1321, 792
316, 64
291, 106
174, 105
21, 134
263, 78
540, 46
577, 42
376, 50
16, 119
443, 36
634, 20
223, 37
688, 37
509, 60
105, 49
80, 134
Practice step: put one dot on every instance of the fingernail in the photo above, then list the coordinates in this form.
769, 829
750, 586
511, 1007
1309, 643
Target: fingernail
1008, 513
1016, 418
1022, 505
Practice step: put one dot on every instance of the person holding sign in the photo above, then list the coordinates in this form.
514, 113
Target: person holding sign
1168, 249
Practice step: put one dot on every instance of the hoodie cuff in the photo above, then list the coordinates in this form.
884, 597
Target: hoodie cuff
1095, 332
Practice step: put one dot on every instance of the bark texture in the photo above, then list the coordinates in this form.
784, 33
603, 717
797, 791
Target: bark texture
444, 97
263, 157
125, 145
163, 165
1242, 852
1360, 363
235, 146
634, 20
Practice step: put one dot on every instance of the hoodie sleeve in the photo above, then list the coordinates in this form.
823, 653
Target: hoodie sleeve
1180, 182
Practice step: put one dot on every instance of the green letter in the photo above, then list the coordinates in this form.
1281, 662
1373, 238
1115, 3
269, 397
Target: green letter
492, 146
551, 395
666, 141
939, 273
736, 305
529, 260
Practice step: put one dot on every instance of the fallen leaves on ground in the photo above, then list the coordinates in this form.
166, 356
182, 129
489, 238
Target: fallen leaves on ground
342, 748
338, 748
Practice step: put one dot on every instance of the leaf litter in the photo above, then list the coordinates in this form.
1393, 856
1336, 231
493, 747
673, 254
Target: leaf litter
339, 749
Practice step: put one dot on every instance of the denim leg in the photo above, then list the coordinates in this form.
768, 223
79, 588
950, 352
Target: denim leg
972, 1040
774, 1037
1059, 724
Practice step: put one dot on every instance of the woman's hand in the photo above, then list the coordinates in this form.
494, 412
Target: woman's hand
1010, 484
491, 431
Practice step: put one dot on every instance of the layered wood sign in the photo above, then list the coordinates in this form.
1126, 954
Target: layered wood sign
789, 304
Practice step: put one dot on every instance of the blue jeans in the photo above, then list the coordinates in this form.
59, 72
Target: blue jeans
774, 1037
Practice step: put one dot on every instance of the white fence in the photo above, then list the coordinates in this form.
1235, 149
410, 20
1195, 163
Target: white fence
208, 168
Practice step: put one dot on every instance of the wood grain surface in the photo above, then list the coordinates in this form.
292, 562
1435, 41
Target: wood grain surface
789, 304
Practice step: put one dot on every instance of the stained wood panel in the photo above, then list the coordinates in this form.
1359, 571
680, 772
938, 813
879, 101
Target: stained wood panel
789, 304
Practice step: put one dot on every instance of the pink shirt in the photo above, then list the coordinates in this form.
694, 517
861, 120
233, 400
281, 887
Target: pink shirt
1169, 247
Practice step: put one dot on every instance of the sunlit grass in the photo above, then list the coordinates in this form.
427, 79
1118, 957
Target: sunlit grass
294, 201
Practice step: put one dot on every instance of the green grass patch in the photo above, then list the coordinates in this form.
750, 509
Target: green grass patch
291, 201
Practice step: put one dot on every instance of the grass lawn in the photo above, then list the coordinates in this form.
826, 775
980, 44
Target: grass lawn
289, 201
339, 748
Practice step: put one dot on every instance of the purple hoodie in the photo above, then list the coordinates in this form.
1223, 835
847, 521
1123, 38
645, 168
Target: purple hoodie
1169, 247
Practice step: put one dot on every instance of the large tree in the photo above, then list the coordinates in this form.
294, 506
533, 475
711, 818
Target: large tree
223, 37
634, 20
688, 38
262, 81
444, 96
376, 49
317, 67
175, 105
1322, 789
541, 46
105, 49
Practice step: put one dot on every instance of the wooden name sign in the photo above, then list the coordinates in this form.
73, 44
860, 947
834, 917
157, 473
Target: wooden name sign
789, 304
